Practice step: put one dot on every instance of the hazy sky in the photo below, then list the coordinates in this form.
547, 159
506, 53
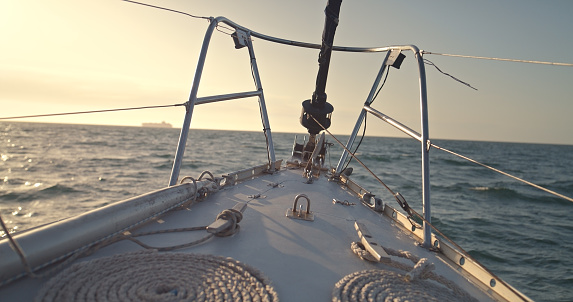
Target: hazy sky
78, 55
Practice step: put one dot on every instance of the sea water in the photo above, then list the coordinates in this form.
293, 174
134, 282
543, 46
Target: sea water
525, 236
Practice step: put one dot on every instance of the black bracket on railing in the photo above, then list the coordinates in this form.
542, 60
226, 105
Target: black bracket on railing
403, 204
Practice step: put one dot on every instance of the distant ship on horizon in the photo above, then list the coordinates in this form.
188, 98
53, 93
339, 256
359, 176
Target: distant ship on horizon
163, 124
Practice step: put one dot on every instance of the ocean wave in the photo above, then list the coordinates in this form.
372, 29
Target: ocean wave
377, 158
493, 189
37, 191
454, 162
97, 143
164, 166
58, 190
165, 155
253, 147
486, 213
486, 256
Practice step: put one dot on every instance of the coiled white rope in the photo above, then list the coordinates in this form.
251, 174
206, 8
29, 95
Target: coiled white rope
154, 276
385, 285
382, 285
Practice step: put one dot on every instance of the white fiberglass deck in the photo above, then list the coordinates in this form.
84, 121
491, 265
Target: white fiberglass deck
303, 259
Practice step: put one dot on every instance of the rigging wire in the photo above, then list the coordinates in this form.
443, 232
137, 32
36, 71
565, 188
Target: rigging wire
504, 173
383, 82
426, 61
354, 156
252, 62
498, 59
184, 13
168, 9
413, 212
365, 116
422, 51
357, 146
93, 111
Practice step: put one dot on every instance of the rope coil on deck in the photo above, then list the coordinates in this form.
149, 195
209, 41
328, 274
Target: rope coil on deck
383, 285
386, 285
153, 276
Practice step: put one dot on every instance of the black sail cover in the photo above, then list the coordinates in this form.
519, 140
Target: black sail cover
318, 107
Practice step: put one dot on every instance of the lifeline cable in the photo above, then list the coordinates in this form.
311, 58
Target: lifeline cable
93, 111
504, 173
411, 211
168, 9
498, 59
183, 13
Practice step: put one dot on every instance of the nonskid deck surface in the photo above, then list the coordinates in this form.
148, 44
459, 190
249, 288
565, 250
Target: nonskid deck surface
302, 259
